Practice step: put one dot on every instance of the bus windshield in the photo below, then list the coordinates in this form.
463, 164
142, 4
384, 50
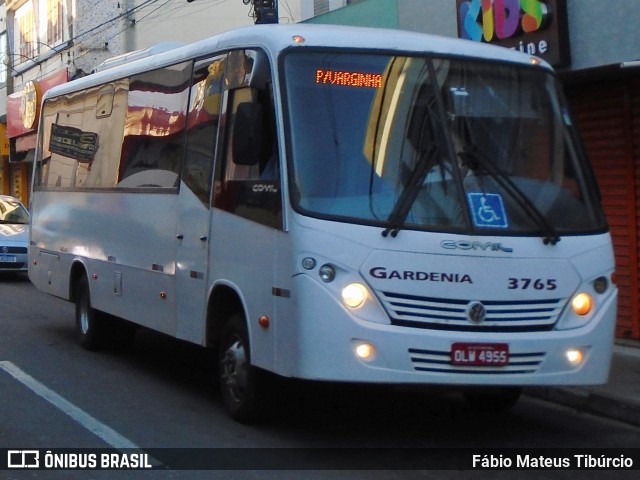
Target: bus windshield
439, 144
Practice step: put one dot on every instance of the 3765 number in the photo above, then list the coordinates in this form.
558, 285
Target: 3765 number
532, 283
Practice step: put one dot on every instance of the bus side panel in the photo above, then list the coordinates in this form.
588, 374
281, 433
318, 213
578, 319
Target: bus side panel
126, 242
243, 255
49, 270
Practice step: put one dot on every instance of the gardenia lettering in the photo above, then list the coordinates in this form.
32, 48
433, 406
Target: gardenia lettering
384, 274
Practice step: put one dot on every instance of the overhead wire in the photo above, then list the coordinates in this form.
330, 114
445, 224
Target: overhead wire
149, 16
128, 13
154, 14
196, 7
289, 11
93, 29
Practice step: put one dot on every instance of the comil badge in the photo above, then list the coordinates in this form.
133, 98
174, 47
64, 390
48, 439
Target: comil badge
476, 312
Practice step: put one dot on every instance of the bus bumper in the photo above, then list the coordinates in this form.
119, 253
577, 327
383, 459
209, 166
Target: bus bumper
327, 346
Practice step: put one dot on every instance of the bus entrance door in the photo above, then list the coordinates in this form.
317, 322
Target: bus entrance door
191, 266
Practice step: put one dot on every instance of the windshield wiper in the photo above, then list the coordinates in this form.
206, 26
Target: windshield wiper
474, 159
403, 205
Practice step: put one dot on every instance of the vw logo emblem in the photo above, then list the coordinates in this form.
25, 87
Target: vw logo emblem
5, 249
476, 312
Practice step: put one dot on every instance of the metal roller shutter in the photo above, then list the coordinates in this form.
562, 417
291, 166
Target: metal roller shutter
604, 115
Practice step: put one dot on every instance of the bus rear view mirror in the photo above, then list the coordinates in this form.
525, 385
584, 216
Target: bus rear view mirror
247, 134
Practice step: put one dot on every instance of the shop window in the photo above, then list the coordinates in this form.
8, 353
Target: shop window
3, 66
25, 33
54, 21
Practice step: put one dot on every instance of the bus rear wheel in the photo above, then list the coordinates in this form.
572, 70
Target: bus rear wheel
239, 380
89, 323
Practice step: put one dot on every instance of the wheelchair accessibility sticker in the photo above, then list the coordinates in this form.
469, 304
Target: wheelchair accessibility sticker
487, 210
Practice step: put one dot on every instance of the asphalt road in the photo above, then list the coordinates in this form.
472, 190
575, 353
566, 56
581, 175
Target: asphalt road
159, 393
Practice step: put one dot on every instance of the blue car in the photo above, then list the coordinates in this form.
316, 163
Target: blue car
14, 235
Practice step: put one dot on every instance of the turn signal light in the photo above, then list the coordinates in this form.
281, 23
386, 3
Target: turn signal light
582, 304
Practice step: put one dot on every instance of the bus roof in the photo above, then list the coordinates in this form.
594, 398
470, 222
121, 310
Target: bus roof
274, 38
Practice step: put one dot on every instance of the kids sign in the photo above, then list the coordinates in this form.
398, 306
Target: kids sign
535, 27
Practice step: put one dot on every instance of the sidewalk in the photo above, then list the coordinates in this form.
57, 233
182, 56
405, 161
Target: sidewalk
618, 399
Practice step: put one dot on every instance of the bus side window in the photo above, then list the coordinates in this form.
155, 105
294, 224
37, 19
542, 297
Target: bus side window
80, 138
154, 128
204, 123
248, 180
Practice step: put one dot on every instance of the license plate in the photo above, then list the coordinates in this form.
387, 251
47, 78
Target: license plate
8, 259
480, 354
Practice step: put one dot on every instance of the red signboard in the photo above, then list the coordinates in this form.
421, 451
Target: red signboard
16, 108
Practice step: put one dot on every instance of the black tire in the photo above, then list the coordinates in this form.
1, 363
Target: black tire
89, 322
240, 383
492, 399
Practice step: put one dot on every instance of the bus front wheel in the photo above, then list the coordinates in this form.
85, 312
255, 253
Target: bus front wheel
88, 321
239, 380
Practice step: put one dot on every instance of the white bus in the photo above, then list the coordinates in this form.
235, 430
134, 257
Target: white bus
334, 204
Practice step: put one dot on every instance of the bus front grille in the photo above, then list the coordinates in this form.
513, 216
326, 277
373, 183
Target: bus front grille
451, 314
440, 362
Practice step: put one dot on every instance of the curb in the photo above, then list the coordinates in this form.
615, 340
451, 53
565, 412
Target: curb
603, 405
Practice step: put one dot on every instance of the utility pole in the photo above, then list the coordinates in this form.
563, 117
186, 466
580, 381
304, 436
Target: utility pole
128, 22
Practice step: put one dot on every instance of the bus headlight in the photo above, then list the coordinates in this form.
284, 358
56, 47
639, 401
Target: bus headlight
364, 351
582, 304
354, 295
574, 356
